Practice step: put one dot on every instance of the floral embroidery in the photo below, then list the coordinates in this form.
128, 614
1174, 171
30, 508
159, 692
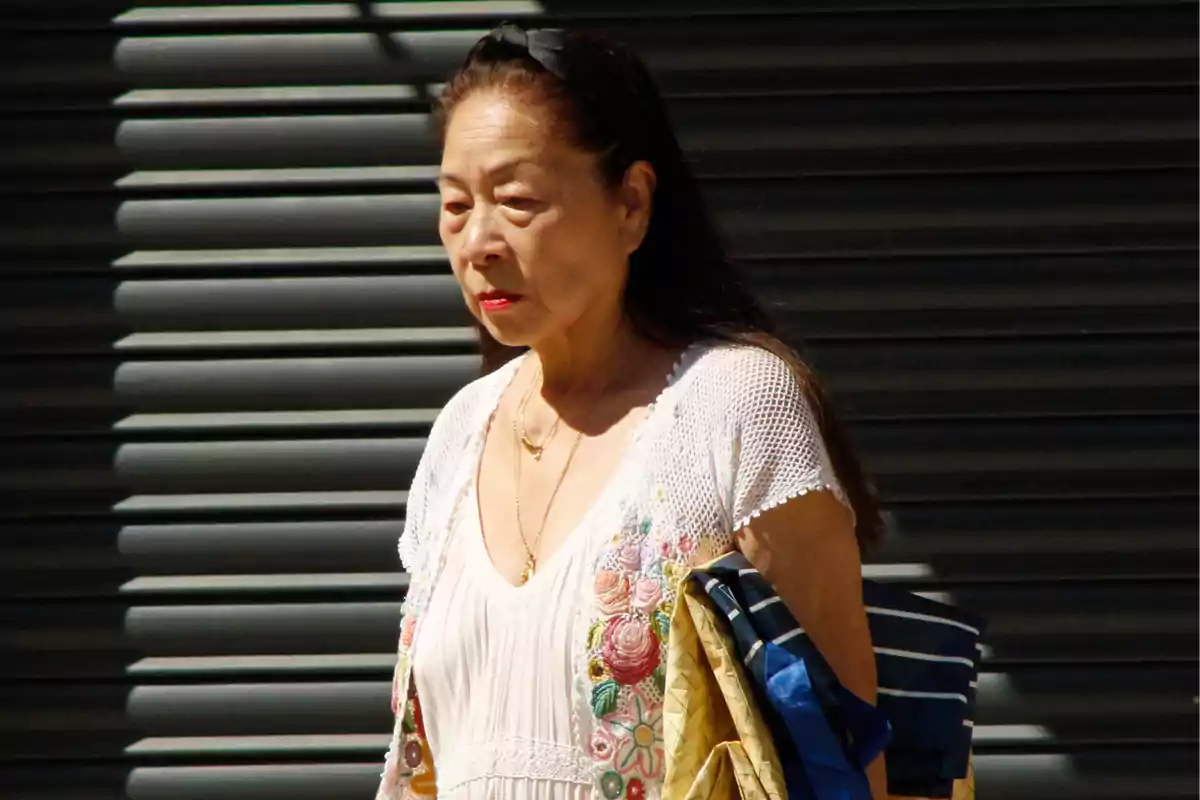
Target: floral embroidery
631, 650
629, 557
602, 744
660, 623
597, 671
605, 697
673, 573
642, 748
627, 639
413, 757
612, 785
406, 631
647, 594
612, 592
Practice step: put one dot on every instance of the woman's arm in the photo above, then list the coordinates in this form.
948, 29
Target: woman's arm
807, 551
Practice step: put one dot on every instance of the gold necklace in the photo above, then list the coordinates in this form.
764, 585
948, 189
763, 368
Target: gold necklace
534, 450
530, 558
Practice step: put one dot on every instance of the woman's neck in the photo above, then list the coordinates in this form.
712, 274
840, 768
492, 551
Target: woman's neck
589, 360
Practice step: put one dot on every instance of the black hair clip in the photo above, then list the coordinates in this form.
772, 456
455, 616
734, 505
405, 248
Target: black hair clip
544, 45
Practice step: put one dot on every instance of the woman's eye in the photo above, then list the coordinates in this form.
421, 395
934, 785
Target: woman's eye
521, 203
455, 207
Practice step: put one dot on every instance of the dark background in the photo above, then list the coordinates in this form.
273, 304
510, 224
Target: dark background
225, 326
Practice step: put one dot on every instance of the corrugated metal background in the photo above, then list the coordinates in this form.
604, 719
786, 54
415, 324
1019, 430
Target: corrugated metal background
227, 326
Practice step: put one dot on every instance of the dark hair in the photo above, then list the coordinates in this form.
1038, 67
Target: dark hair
681, 287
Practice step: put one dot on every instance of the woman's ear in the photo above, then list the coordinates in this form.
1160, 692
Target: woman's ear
637, 203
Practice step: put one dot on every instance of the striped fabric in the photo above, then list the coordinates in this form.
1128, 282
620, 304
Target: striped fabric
927, 654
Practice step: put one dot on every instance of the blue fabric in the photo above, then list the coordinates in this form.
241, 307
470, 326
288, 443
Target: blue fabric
927, 658
833, 768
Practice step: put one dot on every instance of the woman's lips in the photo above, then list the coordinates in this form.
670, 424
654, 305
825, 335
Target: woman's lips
497, 301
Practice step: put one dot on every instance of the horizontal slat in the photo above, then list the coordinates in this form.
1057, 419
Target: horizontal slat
293, 384
248, 304
199, 13
290, 59
166, 262
292, 141
319, 340
290, 466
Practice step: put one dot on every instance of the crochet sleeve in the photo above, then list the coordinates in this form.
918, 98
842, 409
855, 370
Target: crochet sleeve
776, 449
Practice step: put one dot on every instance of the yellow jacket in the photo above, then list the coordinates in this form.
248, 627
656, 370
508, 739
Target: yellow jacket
717, 745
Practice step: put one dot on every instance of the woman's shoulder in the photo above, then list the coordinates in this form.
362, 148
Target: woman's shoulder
720, 378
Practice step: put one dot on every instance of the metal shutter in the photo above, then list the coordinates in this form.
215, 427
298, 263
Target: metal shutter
229, 325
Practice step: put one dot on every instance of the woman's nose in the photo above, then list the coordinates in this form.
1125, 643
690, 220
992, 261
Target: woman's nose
483, 244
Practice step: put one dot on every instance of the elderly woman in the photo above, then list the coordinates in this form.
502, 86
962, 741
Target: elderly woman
635, 418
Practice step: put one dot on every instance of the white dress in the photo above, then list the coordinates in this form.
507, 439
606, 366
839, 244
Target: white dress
494, 669
554, 689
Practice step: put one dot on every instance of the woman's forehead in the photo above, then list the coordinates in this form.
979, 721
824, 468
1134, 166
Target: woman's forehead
492, 133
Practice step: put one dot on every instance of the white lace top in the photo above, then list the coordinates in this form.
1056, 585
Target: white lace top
508, 675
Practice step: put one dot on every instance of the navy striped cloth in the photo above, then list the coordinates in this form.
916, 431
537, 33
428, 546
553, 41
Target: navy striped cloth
927, 656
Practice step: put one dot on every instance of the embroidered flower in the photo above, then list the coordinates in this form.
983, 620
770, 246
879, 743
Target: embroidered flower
687, 545
672, 572
597, 671
666, 549
630, 649
629, 557
406, 631
641, 747
635, 790
413, 755
612, 785
612, 592
647, 594
602, 745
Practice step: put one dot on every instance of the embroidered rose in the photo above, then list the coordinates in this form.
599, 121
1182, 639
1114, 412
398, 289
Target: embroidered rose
666, 550
406, 631
630, 649
630, 556
687, 545
612, 592
647, 594
602, 745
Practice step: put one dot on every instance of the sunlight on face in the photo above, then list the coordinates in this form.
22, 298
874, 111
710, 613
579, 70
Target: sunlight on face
534, 238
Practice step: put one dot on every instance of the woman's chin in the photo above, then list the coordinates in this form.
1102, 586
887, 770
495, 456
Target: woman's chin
507, 333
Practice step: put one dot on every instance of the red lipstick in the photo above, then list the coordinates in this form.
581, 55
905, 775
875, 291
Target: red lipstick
497, 301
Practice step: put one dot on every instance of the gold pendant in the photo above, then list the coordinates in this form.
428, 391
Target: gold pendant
533, 449
527, 573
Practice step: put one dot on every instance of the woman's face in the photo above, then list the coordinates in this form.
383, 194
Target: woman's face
537, 242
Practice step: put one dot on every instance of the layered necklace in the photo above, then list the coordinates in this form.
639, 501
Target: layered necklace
536, 450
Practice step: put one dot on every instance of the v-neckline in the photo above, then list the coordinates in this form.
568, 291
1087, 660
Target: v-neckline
602, 496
